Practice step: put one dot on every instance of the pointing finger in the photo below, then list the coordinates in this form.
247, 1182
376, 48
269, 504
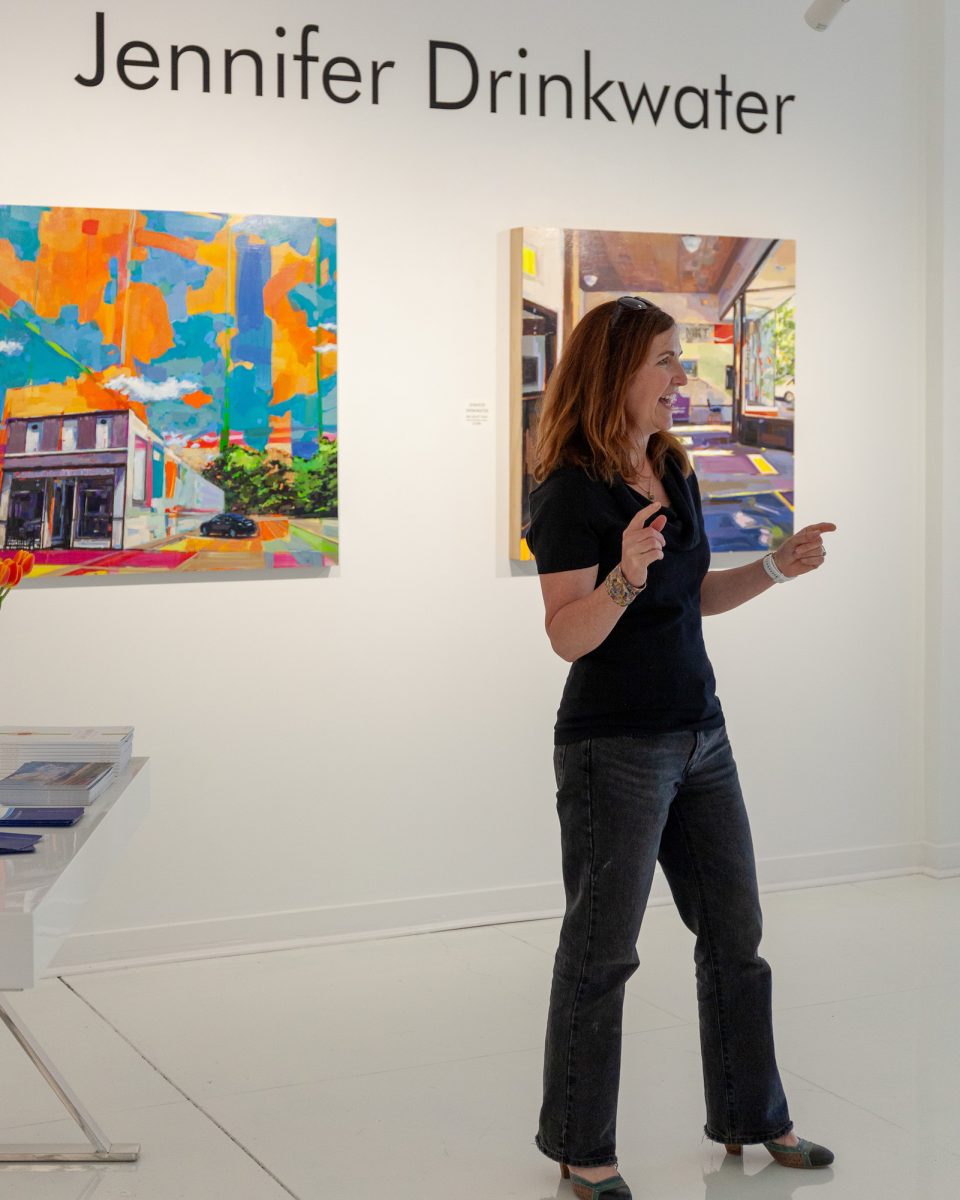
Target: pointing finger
645, 514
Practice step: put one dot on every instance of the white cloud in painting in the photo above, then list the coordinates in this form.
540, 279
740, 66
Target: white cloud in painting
329, 326
145, 390
10, 349
329, 348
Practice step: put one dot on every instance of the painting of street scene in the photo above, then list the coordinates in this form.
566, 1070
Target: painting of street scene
734, 301
168, 391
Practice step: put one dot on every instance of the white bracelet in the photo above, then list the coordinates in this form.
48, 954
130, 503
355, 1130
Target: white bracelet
771, 568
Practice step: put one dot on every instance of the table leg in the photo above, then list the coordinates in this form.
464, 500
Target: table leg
101, 1148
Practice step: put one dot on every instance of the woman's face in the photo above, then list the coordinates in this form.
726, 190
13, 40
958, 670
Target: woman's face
650, 392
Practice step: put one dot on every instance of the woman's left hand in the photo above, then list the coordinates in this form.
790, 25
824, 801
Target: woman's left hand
804, 551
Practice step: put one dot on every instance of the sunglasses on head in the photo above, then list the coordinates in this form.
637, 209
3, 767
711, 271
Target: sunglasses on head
628, 304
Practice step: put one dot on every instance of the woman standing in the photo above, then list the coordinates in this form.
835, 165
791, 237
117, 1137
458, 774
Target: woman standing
643, 765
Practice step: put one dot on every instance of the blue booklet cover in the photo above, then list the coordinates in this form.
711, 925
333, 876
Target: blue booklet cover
40, 816
18, 843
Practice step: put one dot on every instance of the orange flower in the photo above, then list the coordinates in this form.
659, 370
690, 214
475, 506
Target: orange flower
5, 565
16, 574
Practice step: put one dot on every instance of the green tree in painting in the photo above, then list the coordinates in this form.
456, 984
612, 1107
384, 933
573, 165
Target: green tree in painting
785, 339
254, 483
315, 481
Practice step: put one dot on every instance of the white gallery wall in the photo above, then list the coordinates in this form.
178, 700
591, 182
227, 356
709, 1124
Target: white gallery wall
372, 750
940, 530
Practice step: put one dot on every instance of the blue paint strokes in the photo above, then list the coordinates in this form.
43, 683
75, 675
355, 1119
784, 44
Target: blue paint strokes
36, 363
306, 299
249, 407
253, 270
113, 287
253, 343
20, 226
298, 232
202, 226
174, 276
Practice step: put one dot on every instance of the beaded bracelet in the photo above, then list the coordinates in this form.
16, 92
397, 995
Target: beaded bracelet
619, 588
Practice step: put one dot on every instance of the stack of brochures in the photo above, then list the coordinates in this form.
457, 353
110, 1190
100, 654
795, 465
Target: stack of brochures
111, 744
55, 784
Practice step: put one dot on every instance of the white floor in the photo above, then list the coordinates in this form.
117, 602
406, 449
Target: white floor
409, 1068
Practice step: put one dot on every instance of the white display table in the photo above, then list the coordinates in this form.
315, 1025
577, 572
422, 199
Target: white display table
41, 895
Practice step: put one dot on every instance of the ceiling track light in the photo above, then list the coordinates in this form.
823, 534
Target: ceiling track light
822, 12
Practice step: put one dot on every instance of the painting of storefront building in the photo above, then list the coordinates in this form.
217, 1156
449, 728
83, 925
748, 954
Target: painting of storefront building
99, 481
167, 390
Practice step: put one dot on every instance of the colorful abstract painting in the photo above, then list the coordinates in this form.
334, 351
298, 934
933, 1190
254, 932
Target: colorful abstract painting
168, 390
734, 301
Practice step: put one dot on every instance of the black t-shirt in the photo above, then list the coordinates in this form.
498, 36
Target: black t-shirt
651, 674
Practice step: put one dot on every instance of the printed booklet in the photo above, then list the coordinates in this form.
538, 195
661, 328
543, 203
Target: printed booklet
40, 816
56, 783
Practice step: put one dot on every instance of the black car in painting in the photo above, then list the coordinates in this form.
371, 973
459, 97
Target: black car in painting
229, 525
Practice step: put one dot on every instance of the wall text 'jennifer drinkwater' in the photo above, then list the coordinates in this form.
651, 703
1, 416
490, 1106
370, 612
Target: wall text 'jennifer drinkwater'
456, 80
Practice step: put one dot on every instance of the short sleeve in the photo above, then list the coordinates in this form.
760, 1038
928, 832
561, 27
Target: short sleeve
562, 534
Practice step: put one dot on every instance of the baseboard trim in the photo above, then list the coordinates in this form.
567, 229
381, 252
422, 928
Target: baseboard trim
116, 949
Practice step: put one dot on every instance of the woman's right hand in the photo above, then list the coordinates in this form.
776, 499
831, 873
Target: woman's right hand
642, 545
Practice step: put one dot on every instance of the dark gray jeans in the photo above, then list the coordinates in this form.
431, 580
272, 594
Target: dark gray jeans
624, 803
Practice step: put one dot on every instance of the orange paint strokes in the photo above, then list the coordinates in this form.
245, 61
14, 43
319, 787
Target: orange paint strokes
197, 399
294, 356
155, 240
19, 278
74, 264
212, 296
169, 479
328, 364
85, 394
281, 433
149, 332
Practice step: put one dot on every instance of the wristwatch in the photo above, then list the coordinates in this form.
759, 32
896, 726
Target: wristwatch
619, 588
771, 568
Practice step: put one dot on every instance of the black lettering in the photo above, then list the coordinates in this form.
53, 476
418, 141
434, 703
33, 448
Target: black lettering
330, 76
230, 57
305, 58
743, 109
781, 101
474, 75
523, 86
377, 67
176, 53
591, 98
701, 94
124, 61
633, 109
281, 65
724, 93
99, 38
495, 77
544, 80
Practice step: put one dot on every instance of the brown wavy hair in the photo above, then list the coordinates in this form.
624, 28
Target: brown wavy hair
583, 421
